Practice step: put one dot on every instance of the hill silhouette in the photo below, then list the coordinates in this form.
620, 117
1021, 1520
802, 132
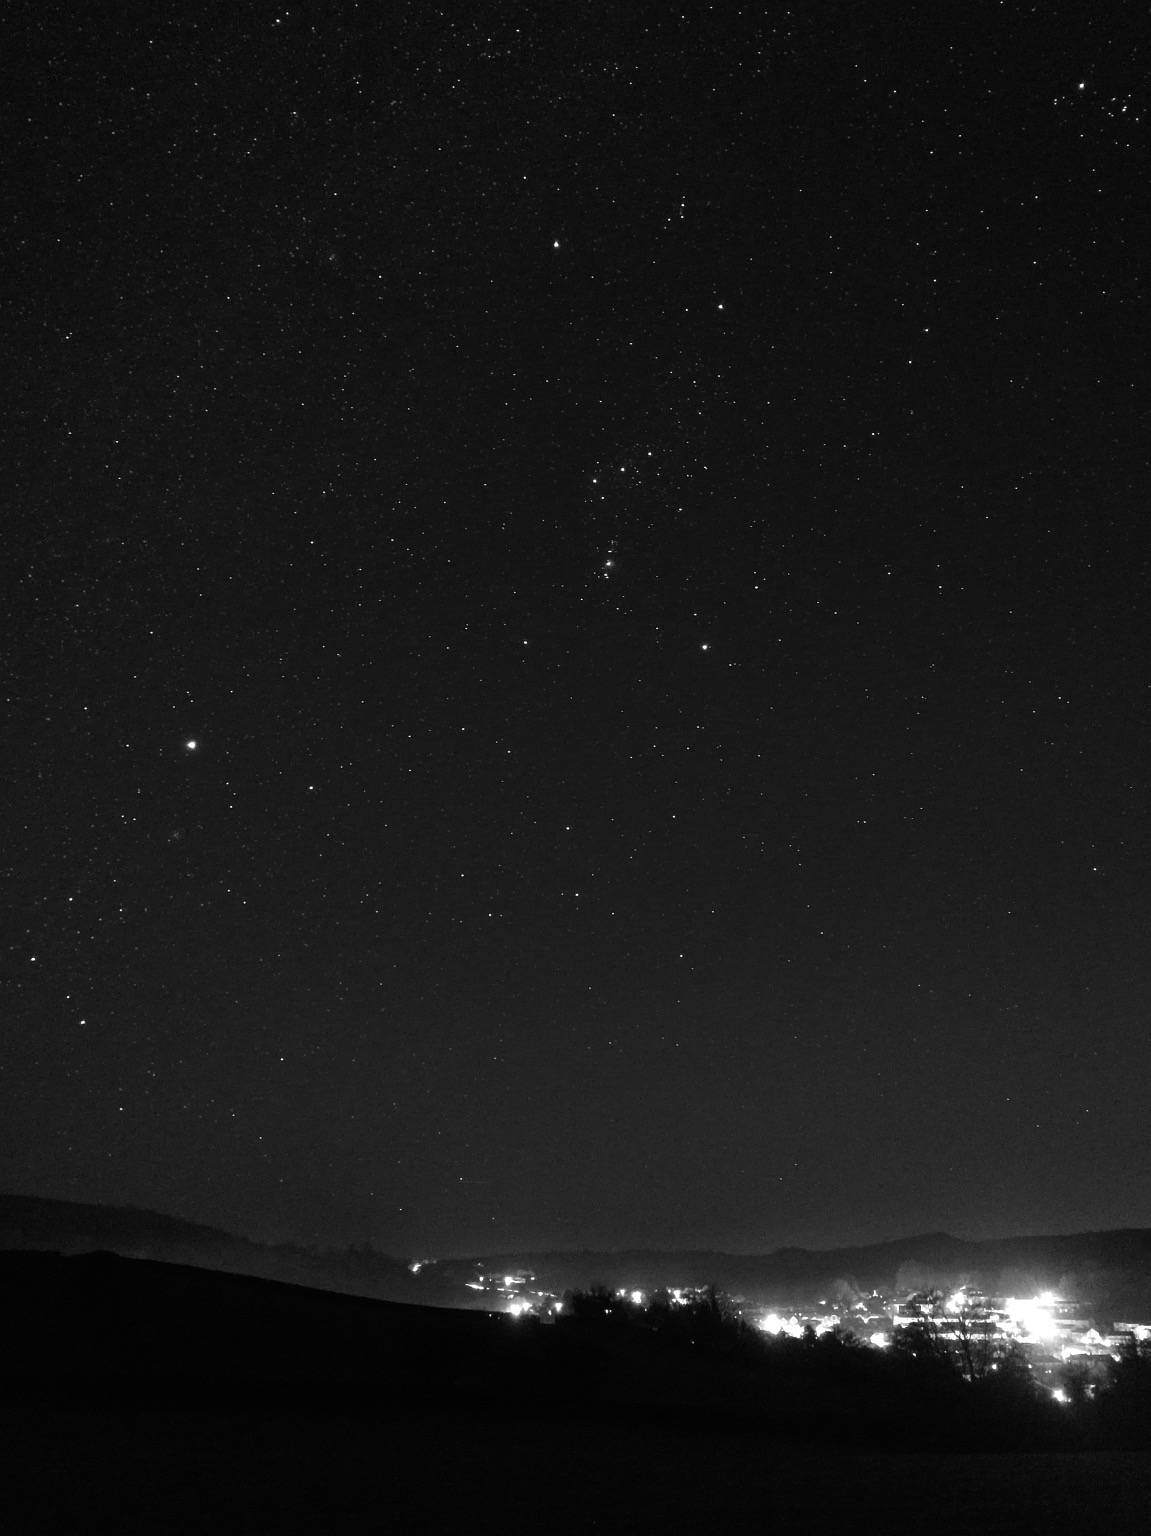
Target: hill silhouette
144, 1394
99, 1327
68, 1227
1110, 1272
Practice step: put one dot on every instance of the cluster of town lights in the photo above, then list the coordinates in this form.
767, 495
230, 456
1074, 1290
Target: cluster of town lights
1038, 1321
1030, 1320
1033, 1319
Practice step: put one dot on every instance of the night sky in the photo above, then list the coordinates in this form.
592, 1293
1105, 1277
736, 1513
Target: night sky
575, 620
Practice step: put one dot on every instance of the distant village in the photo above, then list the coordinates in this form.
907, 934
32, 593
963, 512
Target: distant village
1051, 1333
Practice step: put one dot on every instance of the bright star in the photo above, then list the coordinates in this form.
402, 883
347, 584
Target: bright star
191, 745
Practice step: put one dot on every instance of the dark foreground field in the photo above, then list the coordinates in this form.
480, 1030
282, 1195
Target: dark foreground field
437, 1472
141, 1397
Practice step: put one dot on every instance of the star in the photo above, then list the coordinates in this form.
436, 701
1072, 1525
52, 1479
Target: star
191, 745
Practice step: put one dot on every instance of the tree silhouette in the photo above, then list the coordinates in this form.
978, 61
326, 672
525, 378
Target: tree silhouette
961, 1331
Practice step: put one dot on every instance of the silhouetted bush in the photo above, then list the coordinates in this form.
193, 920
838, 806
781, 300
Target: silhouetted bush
597, 1304
920, 1355
1123, 1401
702, 1318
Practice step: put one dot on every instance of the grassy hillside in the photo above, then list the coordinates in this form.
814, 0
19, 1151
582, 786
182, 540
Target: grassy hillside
136, 1395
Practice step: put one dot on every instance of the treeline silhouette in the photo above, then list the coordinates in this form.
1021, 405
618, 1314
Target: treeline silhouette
929, 1388
100, 1329
136, 1394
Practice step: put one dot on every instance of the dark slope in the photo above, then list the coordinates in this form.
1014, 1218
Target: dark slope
65, 1226
135, 1330
99, 1318
144, 1396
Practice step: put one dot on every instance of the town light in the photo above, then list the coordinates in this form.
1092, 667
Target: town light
1033, 1319
775, 1325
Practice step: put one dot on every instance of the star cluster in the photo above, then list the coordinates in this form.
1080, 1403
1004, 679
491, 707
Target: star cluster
575, 595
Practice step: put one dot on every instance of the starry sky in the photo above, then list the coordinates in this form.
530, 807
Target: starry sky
575, 586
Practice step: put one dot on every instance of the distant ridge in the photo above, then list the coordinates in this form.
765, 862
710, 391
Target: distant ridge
32, 1223
1109, 1271
107, 1225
